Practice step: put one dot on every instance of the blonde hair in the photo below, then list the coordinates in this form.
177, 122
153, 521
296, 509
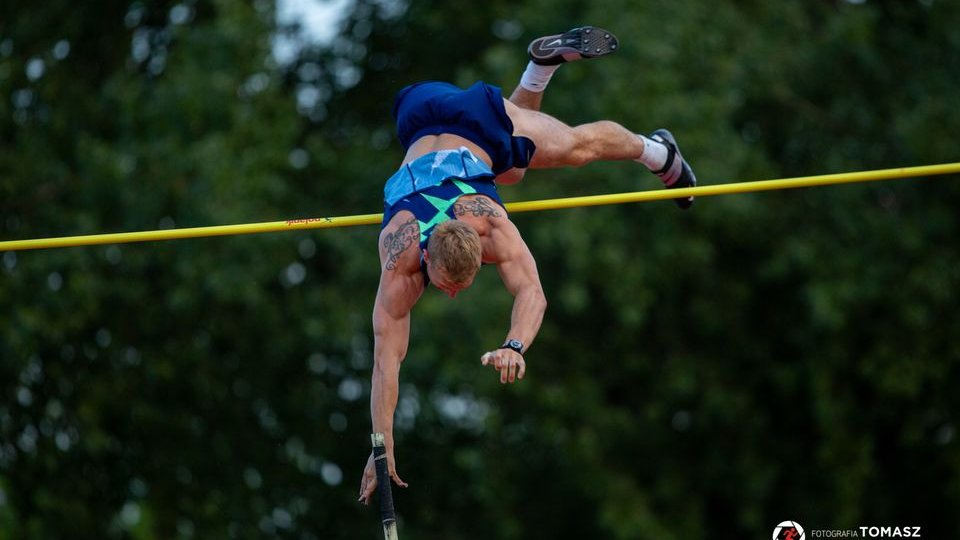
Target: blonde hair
455, 248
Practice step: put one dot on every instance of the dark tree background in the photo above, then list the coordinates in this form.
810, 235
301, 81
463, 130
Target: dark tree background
764, 357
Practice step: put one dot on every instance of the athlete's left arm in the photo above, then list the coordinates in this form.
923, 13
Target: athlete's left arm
518, 270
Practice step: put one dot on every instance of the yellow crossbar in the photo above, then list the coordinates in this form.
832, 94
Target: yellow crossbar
529, 206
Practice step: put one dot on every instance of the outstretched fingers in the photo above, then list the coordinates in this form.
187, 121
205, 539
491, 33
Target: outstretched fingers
517, 369
486, 359
368, 482
508, 363
397, 480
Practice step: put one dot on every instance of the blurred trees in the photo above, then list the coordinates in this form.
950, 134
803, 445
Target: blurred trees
787, 355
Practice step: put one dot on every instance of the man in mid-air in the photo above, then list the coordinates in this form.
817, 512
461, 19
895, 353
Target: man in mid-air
443, 217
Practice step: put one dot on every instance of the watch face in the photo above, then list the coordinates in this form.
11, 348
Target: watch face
515, 344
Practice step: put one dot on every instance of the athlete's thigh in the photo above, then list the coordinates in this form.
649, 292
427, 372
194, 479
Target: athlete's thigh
554, 139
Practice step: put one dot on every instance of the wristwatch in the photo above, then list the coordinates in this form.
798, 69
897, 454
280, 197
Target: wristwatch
513, 344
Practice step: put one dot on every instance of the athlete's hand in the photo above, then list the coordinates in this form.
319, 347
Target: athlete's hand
508, 362
368, 481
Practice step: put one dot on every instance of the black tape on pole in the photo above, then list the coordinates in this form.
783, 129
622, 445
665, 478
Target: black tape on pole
383, 482
387, 513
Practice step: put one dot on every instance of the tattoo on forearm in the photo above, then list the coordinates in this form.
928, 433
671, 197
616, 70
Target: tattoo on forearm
398, 241
479, 207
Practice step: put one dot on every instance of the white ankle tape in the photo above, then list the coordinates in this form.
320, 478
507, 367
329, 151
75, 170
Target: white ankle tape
536, 77
654, 155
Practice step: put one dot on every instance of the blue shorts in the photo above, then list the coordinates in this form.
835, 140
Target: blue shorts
476, 114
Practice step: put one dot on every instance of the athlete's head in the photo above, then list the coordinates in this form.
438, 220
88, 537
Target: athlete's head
453, 256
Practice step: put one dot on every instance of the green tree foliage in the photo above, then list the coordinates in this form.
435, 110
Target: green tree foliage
787, 355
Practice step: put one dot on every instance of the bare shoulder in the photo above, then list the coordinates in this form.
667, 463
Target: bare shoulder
401, 282
500, 238
477, 206
400, 244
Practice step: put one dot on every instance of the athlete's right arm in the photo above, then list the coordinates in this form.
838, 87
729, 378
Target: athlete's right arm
400, 288
391, 335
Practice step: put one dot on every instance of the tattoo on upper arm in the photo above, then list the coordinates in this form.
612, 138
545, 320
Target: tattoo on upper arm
478, 207
398, 241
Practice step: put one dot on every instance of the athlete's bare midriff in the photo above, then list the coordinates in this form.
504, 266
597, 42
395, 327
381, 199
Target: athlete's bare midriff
444, 141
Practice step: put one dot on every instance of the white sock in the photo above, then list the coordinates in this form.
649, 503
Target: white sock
654, 154
536, 77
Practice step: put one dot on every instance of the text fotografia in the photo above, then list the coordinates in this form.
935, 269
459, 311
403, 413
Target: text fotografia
869, 532
306, 221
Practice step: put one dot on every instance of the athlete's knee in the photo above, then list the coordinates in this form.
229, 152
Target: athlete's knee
564, 147
582, 147
579, 157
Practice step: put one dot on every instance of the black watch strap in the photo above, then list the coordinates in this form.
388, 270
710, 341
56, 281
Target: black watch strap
514, 345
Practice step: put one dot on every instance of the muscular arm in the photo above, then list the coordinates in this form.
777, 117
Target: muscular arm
400, 288
391, 335
518, 270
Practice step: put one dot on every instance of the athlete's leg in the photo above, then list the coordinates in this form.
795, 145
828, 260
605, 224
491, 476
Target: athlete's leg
526, 99
547, 53
560, 145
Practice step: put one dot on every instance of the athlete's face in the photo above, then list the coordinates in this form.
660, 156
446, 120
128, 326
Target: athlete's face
440, 280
